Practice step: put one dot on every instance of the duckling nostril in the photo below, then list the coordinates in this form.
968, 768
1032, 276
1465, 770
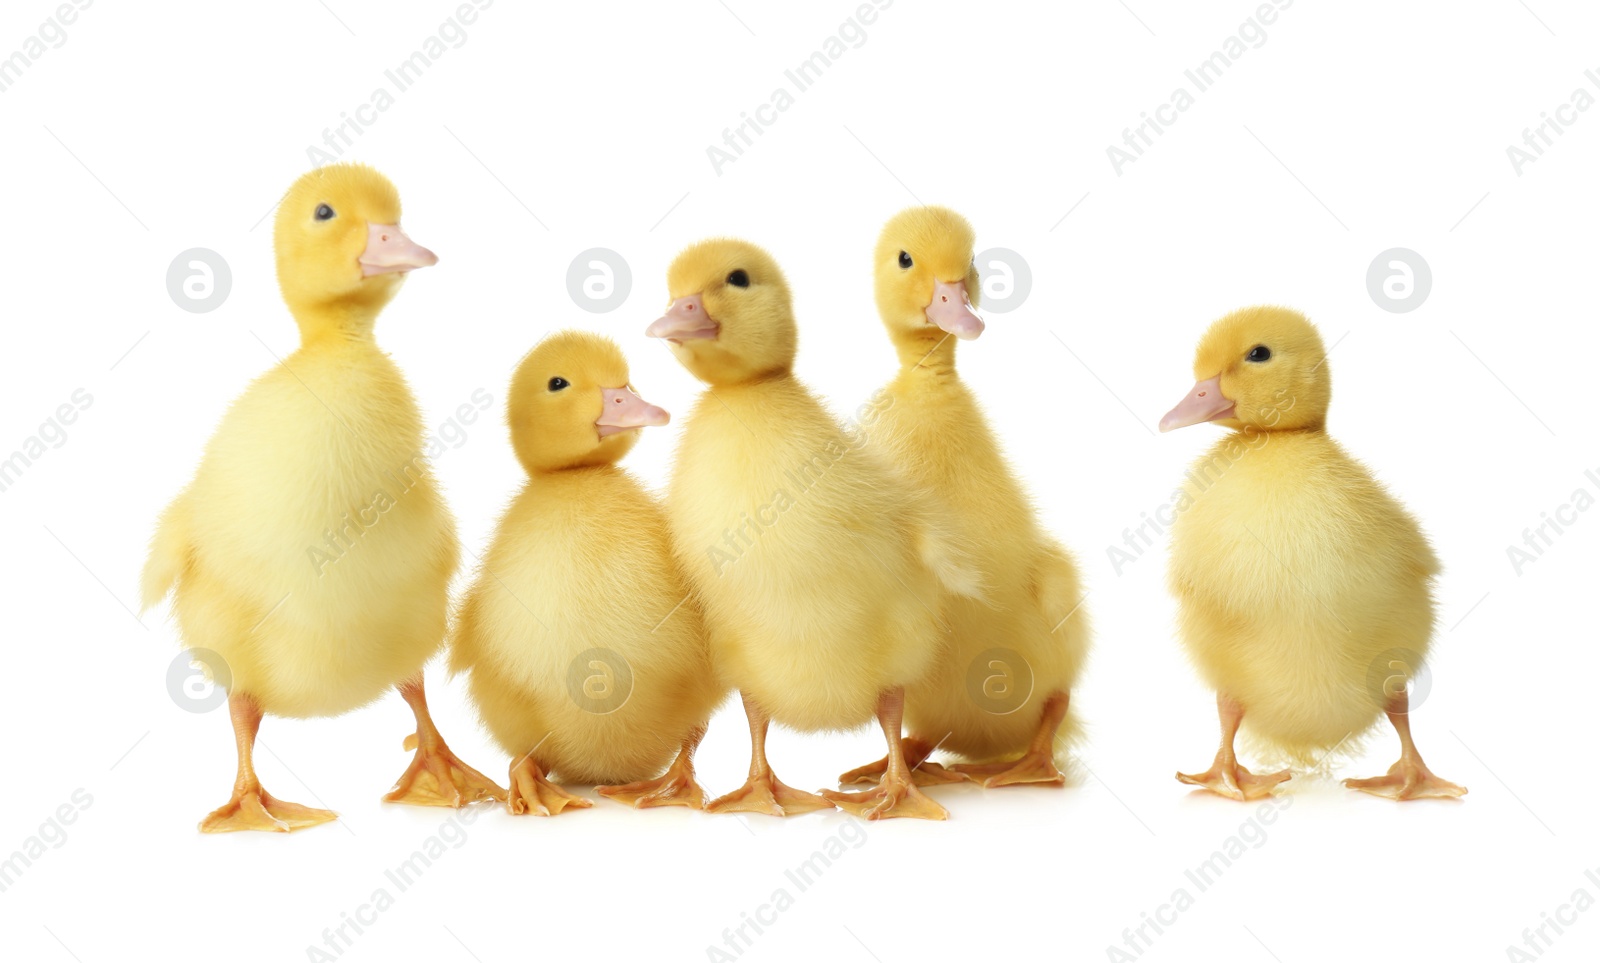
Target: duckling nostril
385, 237
1202, 394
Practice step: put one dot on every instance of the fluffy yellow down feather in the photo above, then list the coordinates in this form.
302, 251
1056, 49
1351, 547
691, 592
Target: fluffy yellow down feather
312, 551
1304, 588
819, 567
1027, 639
587, 652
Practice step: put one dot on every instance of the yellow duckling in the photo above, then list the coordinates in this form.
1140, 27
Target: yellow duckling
311, 552
1000, 690
1304, 588
816, 566
588, 657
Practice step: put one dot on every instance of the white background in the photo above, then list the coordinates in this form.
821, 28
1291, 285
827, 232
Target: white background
1354, 128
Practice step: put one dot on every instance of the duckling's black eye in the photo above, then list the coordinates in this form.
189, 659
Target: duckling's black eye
324, 212
1259, 353
556, 384
739, 279
905, 260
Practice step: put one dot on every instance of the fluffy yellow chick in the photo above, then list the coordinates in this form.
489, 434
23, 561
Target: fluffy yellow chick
1304, 588
312, 551
999, 693
587, 655
819, 571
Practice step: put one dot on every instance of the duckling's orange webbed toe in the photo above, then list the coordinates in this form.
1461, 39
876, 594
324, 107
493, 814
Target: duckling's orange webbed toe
533, 792
1037, 766
436, 777
1235, 781
1226, 777
675, 787
923, 772
1410, 778
252, 808
762, 792
897, 795
766, 795
1033, 769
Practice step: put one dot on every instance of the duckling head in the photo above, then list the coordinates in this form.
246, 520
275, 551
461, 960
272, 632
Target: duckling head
1257, 369
926, 280
341, 254
571, 406
731, 319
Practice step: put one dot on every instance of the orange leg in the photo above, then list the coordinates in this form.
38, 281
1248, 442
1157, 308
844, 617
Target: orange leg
1409, 778
1037, 766
533, 792
762, 792
436, 777
897, 794
1226, 777
251, 808
675, 787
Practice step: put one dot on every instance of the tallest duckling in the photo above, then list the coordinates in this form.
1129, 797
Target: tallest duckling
1028, 637
311, 552
1304, 588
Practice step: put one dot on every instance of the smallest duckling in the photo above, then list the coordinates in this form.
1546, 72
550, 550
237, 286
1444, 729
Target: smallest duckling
588, 657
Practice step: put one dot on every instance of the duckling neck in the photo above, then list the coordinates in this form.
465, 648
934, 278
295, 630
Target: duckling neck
1317, 430
578, 475
777, 377
335, 324
932, 353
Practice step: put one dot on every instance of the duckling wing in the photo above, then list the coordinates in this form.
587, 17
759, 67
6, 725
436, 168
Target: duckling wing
169, 553
946, 553
1059, 594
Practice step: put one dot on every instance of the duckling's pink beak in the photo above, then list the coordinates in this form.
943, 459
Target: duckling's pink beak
1204, 403
624, 409
389, 251
685, 320
952, 311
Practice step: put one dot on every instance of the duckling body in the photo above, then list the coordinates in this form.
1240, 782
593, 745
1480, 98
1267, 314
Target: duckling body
587, 653
313, 624
1295, 571
312, 551
797, 540
1030, 620
819, 568
1304, 588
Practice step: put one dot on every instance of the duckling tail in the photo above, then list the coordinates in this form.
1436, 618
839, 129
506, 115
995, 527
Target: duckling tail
463, 648
169, 553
